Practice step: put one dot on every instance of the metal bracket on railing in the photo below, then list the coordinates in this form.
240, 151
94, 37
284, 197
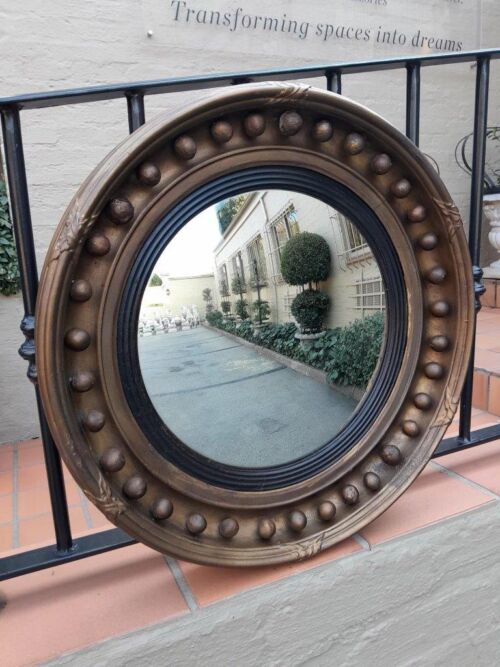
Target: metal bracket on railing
27, 349
240, 80
479, 288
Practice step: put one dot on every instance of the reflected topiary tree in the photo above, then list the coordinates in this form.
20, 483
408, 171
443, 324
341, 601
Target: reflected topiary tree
261, 310
238, 287
208, 299
306, 261
155, 281
309, 309
215, 318
241, 309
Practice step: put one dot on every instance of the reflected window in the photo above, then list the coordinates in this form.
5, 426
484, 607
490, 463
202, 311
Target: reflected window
282, 229
257, 260
238, 268
292, 222
280, 234
370, 295
355, 245
223, 281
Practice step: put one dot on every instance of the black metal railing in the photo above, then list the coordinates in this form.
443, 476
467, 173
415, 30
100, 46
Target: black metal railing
66, 548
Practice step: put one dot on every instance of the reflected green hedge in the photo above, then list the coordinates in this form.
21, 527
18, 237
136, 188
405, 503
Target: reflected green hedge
348, 354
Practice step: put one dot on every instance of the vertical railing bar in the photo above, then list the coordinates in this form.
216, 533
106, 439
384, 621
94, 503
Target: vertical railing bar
23, 232
334, 81
475, 220
136, 111
413, 102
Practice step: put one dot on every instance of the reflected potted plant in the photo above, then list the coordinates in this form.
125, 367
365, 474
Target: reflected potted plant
214, 318
305, 262
261, 311
208, 299
241, 309
260, 307
238, 287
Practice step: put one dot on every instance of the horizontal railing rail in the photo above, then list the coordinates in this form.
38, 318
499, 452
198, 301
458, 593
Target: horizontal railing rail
100, 93
67, 549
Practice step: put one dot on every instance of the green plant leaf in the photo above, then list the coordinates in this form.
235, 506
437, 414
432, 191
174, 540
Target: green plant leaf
9, 270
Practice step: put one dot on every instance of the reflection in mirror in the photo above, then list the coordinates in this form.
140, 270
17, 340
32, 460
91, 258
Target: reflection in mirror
261, 327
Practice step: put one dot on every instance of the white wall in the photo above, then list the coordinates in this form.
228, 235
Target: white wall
65, 43
188, 291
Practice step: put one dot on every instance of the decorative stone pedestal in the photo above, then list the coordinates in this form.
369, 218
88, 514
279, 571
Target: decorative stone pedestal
491, 208
491, 273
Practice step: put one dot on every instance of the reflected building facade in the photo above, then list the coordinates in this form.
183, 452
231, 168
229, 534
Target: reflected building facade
252, 244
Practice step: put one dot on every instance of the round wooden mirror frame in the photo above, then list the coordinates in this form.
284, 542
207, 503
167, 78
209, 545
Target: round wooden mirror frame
88, 264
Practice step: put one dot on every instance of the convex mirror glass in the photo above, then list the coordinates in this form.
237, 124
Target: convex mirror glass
261, 327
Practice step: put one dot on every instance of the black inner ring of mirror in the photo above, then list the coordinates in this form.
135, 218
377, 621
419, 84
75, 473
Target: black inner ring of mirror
173, 449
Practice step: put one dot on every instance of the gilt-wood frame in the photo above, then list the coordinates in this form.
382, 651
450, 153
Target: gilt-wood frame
81, 290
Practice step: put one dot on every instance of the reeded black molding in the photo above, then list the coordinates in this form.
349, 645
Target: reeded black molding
157, 432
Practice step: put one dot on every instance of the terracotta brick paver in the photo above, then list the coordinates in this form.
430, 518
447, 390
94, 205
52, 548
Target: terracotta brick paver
488, 341
6, 483
6, 509
5, 537
30, 456
36, 528
480, 420
481, 389
494, 395
25, 516
54, 611
431, 498
6, 458
478, 464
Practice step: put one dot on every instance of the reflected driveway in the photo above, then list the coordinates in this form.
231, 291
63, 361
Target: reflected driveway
233, 405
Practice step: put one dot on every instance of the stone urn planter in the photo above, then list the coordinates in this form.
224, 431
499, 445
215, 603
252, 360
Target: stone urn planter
307, 340
491, 208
